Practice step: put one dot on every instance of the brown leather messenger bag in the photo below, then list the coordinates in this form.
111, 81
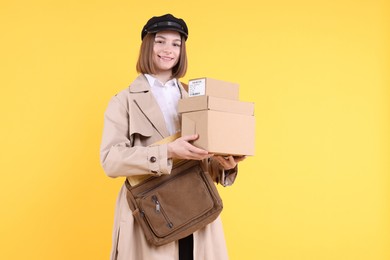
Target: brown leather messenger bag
172, 206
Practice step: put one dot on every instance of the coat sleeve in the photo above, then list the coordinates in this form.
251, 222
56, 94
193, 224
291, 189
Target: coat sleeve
118, 156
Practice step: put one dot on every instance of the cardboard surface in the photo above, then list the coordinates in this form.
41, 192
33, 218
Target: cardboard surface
221, 132
217, 104
213, 87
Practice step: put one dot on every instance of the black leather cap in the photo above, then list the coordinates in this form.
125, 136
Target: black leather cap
165, 22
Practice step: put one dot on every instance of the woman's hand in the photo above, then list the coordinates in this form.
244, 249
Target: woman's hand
181, 148
228, 162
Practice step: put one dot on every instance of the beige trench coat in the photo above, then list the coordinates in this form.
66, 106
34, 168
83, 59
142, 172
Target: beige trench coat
133, 121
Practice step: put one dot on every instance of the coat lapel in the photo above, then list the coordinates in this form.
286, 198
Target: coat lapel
145, 100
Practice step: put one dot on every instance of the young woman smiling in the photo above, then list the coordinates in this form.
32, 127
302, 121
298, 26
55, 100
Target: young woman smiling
142, 115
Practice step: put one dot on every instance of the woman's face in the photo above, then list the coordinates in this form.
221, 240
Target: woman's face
166, 50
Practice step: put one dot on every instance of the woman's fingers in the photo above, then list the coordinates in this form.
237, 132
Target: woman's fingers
239, 158
181, 148
225, 161
189, 138
229, 162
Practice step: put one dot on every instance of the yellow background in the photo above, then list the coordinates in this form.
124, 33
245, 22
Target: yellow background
318, 71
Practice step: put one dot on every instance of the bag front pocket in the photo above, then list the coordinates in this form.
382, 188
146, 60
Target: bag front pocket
165, 211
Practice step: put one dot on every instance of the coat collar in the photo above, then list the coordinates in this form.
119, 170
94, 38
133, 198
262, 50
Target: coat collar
144, 99
140, 84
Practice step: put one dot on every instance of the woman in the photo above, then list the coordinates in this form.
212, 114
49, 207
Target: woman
142, 115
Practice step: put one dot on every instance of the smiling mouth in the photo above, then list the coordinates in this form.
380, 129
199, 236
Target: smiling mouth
165, 58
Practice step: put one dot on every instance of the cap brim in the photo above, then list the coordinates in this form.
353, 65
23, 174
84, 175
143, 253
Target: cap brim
155, 30
167, 25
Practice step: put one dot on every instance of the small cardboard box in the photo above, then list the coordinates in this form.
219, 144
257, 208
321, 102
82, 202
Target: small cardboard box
213, 87
216, 104
221, 132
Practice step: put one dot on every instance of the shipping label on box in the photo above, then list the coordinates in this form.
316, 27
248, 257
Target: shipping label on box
197, 87
213, 87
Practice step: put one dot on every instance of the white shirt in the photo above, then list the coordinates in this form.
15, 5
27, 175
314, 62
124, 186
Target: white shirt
167, 96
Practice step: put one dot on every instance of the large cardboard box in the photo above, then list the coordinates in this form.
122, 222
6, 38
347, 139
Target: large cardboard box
221, 132
217, 104
213, 87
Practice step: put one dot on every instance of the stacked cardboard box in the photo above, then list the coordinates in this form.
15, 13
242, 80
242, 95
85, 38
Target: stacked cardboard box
225, 125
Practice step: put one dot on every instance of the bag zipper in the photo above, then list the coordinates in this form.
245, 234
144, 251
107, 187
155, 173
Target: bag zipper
155, 200
160, 210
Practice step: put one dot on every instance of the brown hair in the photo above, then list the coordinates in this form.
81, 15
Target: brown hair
145, 63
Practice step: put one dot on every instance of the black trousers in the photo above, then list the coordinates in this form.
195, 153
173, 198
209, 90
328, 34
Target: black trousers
186, 248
